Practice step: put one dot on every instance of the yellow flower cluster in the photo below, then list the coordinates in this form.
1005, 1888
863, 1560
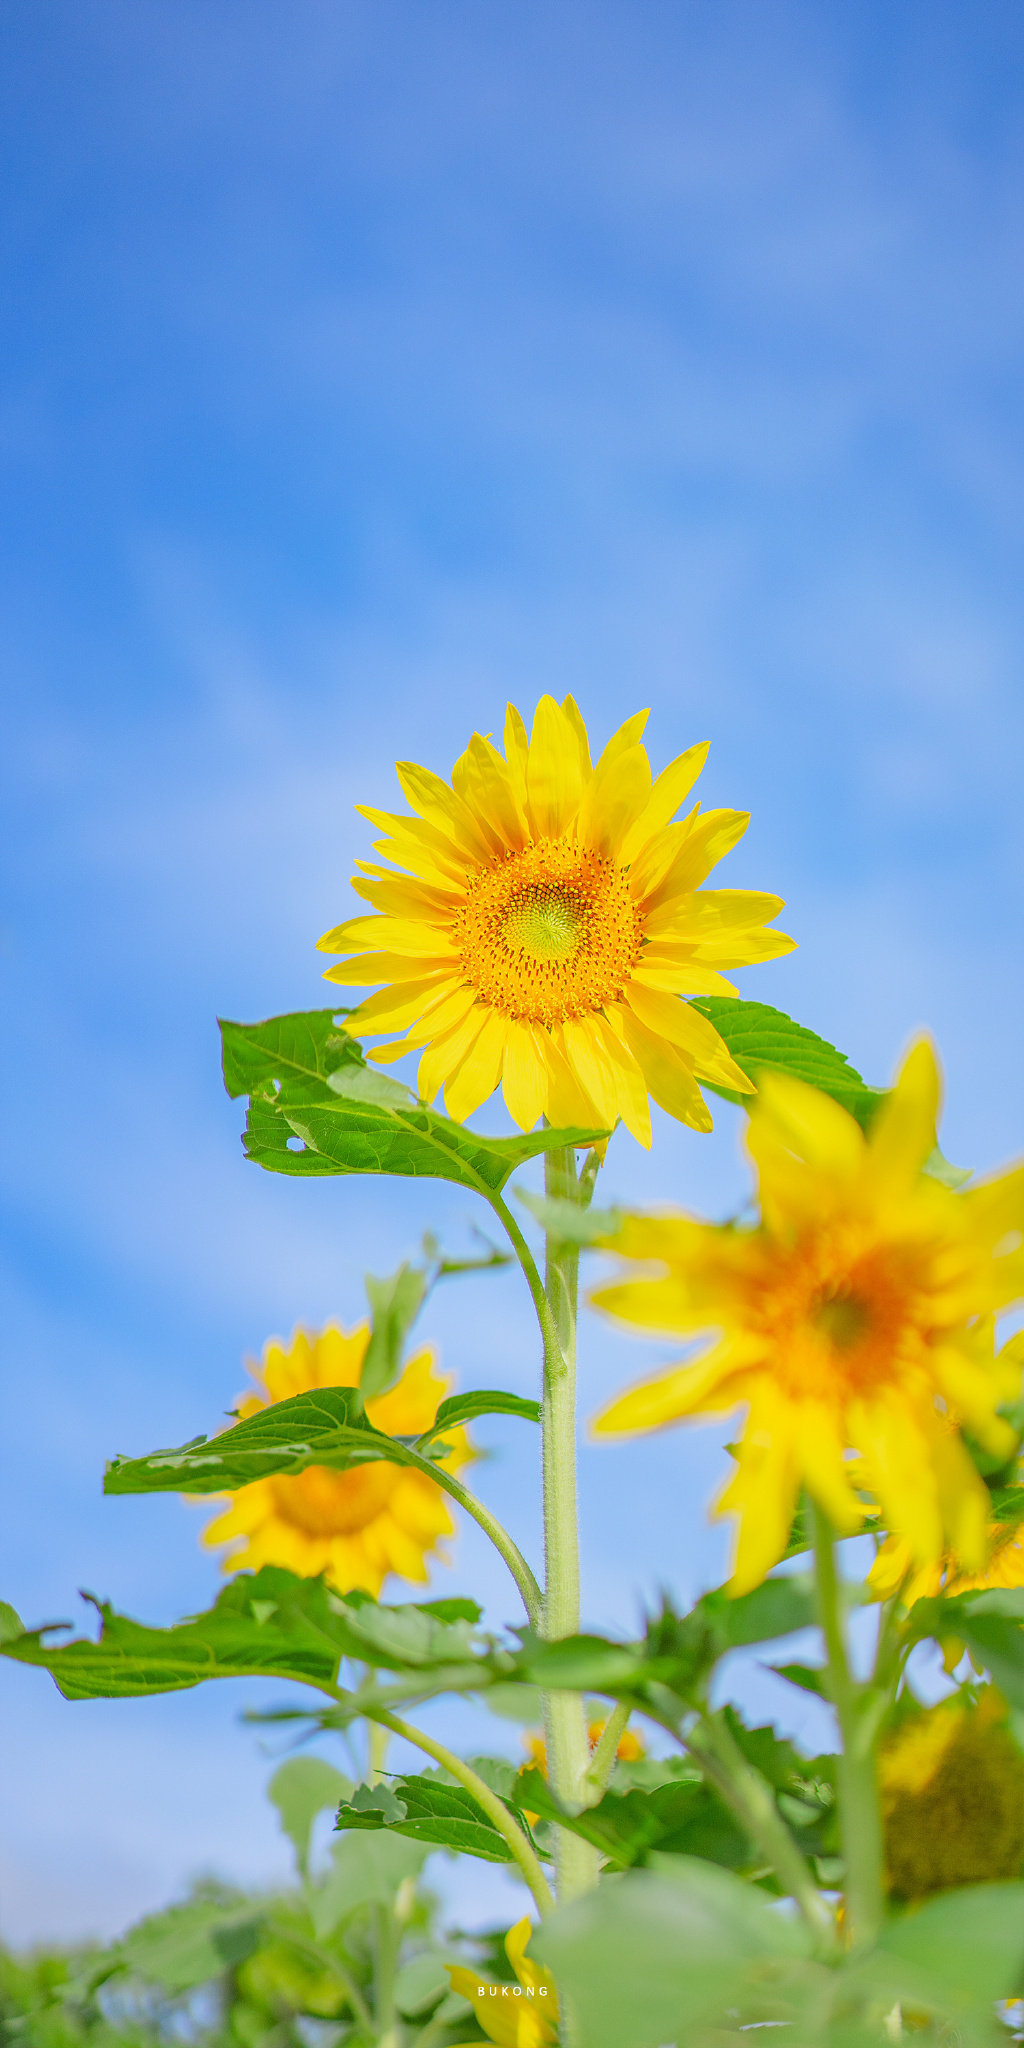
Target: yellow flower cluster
854, 1325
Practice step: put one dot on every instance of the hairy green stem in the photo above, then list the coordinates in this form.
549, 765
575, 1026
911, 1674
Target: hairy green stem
752, 1800
532, 1597
602, 1763
576, 1862
497, 1812
856, 1708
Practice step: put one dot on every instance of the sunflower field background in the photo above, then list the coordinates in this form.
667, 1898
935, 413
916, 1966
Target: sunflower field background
447, 387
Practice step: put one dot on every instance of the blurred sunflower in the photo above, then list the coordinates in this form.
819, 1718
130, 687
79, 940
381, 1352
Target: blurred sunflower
520, 2015
855, 1318
549, 921
356, 1526
952, 1791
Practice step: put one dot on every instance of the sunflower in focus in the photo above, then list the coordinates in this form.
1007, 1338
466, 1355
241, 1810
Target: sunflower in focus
356, 1526
547, 924
519, 2015
854, 1325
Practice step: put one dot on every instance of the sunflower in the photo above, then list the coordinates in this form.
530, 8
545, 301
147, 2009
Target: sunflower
548, 922
519, 2015
952, 1788
356, 1526
854, 1324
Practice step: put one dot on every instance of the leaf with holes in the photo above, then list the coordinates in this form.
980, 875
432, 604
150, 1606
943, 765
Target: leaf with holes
315, 1107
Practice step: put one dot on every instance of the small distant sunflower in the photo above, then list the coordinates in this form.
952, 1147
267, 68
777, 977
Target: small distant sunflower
519, 2015
547, 925
952, 1791
355, 1526
855, 1322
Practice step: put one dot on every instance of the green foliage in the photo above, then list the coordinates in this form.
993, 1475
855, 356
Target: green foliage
988, 1623
300, 1789
316, 1107
764, 1040
270, 1623
395, 1303
430, 1807
327, 1426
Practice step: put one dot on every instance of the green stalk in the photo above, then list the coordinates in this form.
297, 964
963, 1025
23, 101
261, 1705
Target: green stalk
752, 1800
522, 1850
576, 1862
602, 1763
532, 1597
856, 1707
385, 1946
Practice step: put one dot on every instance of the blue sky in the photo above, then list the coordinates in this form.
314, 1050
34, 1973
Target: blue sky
368, 363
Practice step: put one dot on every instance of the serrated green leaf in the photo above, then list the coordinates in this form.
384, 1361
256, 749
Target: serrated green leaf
806, 1676
270, 1623
427, 1808
316, 1108
762, 1039
300, 1789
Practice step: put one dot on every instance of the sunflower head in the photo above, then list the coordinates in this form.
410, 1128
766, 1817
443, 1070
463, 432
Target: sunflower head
358, 1526
541, 923
519, 2015
852, 1322
952, 1787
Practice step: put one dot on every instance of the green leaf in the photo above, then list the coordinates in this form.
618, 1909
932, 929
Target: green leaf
462, 1408
680, 1816
648, 1958
11, 1623
420, 1984
964, 1948
989, 1623
395, 1304
325, 1427
808, 1677
315, 1107
762, 1039
300, 1789
366, 1870
187, 1945
269, 1623
566, 1222
428, 1808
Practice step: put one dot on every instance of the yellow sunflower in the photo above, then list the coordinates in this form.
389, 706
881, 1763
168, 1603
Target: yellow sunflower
355, 1526
519, 2015
854, 1322
952, 1787
547, 924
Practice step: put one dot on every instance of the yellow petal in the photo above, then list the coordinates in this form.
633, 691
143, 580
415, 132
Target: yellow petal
668, 791
575, 718
705, 1051
480, 1072
368, 968
591, 1064
400, 935
704, 842
671, 1397
554, 779
681, 977
440, 806
393, 1008
763, 1494
794, 1127
406, 895
631, 1087
517, 750
670, 1079
524, 1079
613, 799
483, 780
629, 735
444, 1055
448, 1008
903, 1130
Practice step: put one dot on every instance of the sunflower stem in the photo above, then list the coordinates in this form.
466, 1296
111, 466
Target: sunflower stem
712, 1746
856, 1708
602, 1763
532, 1597
497, 1812
576, 1862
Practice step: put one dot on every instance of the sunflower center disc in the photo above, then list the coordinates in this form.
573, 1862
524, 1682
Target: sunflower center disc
546, 925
